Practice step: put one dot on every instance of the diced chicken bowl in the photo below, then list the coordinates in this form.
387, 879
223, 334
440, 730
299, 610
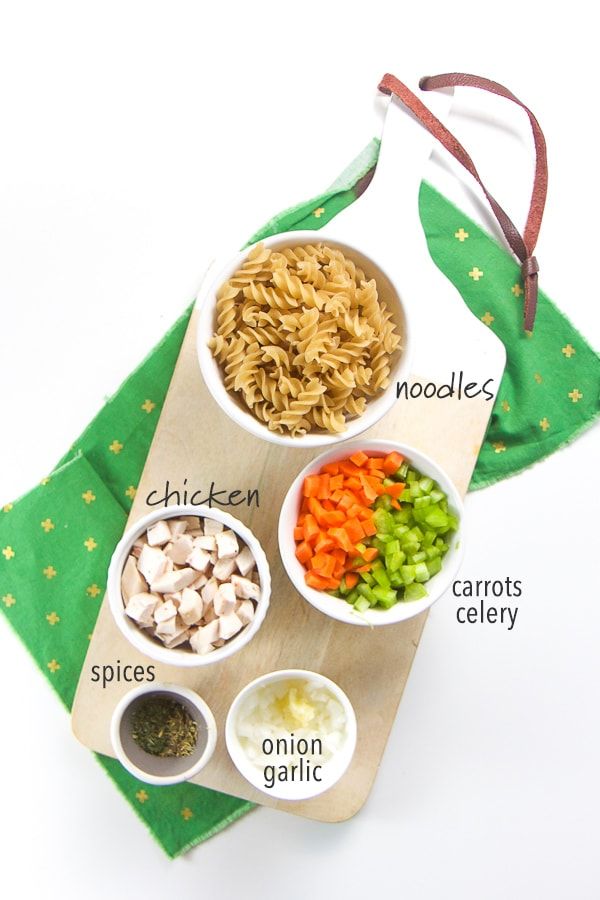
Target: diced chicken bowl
189, 585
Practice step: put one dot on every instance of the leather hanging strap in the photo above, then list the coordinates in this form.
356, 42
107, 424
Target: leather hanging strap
522, 246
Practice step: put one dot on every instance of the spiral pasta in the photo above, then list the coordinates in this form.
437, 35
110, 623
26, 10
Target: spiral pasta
303, 338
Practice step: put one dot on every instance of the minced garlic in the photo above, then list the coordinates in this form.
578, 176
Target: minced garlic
288, 720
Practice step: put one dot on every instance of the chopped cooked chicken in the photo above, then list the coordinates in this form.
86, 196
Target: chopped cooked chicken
223, 569
229, 625
141, 607
245, 611
173, 581
159, 534
131, 580
245, 588
211, 526
225, 599
191, 606
180, 548
152, 563
203, 639
227, 545
244, 561
199, 559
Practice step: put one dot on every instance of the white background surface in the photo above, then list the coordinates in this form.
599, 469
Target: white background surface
136, 140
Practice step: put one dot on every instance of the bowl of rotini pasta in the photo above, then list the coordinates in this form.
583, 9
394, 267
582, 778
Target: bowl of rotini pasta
301, 339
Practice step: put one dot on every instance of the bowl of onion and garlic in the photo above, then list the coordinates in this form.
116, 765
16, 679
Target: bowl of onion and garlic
189, 585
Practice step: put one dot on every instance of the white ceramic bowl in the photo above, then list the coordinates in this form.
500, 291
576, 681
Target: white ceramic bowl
235, 408
333, 769
336, 607
157, 769
151, 646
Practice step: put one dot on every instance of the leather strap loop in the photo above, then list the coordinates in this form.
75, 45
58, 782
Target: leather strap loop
522, 246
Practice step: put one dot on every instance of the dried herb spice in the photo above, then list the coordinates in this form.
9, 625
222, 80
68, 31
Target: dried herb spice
163, 727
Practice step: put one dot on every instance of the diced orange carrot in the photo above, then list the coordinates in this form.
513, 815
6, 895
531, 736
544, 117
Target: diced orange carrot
368, 489
395, 504
356, 511
351, 579
316, 581
331, 469
324, 543
354, 530
303, 553
359, 459
323, 564
366, 568
369, 527
311, 529
336, 482
348, 468
347, 501
311, 485
339, 555
333, 517
394, 490
370, 554
392, 463
340, 536
327, 504
299, 533
324, 491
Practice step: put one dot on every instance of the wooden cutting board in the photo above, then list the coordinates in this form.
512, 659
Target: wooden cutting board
194, 440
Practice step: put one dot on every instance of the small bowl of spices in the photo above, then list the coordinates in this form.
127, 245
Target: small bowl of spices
163, 733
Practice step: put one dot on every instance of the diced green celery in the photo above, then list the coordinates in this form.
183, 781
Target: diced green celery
418, 557
368, 578
426, 484
384, 522
432, 552
437, 495
410, 549
421, 572
385, 596
452, 521
414, 592
415, 491
362, 604
436, 517
392, 546
408, 573
384, 502
434, 566
429, 538
378, 544
411, 476
396, 580
365, 591
399, 530
361, 547
388, 481
353, 596
402, 471
382, 578
343, 588
420, 502
358, 561
394, 561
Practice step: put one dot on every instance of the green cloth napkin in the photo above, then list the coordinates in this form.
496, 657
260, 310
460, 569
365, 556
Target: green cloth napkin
56, 541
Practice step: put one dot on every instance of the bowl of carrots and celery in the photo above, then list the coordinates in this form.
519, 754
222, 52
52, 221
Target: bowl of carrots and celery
371, 532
